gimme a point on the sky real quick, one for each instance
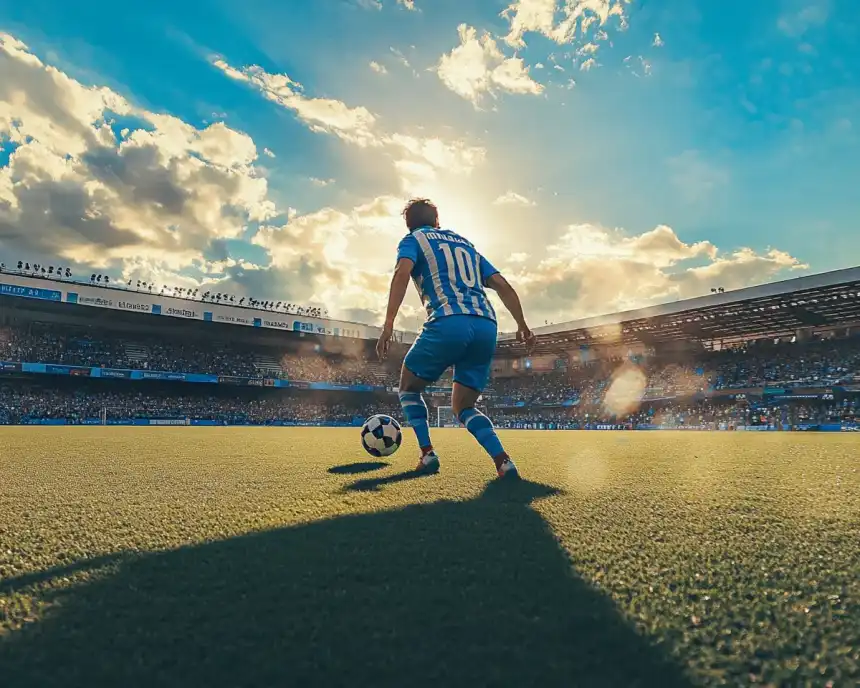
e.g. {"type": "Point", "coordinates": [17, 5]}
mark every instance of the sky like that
{"type": "Point", "coordinates": [603, 154]}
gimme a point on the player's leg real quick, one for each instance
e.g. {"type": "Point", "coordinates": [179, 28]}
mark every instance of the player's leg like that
{"type": "Point", "coordinates": [425, 362]}
{"type": "Point", "coordinates": [415, 408]}
{"type": "Point", "coordinates": [471, 374]}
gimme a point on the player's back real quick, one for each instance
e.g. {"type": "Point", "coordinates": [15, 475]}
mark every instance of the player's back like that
{"type": "Point", "coordinates": [450, 274]}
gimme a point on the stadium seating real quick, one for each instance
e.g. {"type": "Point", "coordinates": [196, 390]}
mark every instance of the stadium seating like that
{"type": "Point", "coordinates": [710, 390]}
{"type": "Point", "coordinates": [86, 346]}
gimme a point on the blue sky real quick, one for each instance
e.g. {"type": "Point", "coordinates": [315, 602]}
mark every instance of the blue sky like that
{"type": "Point", "coordinates": [605, 154]}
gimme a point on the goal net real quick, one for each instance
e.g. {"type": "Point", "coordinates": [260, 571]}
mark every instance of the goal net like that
{"type": "Point", "coordinates": [445, 417]}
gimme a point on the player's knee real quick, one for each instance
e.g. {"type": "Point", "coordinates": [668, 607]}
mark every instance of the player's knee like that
{"type": "Point", "coordinates": [409, 382]}
{"type": "Point", "coordinates": [409, 400]}
{"type": "Point", "coordinates": [473, 419]}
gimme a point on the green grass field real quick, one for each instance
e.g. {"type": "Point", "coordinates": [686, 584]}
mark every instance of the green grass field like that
{"type": "Point", "coordinates": [283, 557]}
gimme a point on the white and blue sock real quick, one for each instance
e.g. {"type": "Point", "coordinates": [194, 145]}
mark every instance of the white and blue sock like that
{"type": "Point", "coordinates": [415, 412]}
{"type": "Point", "coordinates": [482, 430]}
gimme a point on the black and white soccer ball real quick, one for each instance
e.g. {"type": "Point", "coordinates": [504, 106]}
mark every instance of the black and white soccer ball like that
{"type": "Point", "coordinates": [381, 435]}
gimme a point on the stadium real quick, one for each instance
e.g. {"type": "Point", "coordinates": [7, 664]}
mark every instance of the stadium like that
{"type": "Point", "coordinates": [272, 552]}
{"type": "Point", "coordinates": [782, 356]}
{"type": "Point", "coordinates": [274, 408]}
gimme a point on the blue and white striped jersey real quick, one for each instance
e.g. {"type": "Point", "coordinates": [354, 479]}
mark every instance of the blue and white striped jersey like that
{"type": "Point", "coordinates": [449, 273]}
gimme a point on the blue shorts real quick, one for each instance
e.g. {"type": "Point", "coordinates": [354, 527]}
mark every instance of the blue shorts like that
{"type": "Point", "coordinates": [467, 342]}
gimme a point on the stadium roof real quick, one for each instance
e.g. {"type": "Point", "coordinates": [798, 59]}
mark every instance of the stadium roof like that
{"type": "Point", "coordinates": [768, 310]}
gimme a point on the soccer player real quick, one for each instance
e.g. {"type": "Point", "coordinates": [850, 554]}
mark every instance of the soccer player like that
{"type": "Point", "coordinates": [451, 278]}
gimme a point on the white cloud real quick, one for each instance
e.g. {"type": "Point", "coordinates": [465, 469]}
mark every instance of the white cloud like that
{"type": "Point", "coordinates": [353, 124]}
{"type": "Point", "coordinates": [454, 157]}
{"type": "Point", "coordinates": [378, 68]}
{"type": "Point", "coordinates": [377, 4]}
{"type": "Point", "coordinates": [806, 15]}
{"type": "Point", "coordinates": [477, 67]}
{"type": "Point", "coordinates": [591, 270]}
{"type": "Point", "coordinates": [575, 18]}
{"type": "Point", "coordinates": [101, 181]}
{"type": "Point", "coordinates": [321, 182]}
{"type": "Point", "coordinates": [588, 64]}
{"type": "Point", "coordinates": [400, 57]}
{"type": "Point", "coordinates": [530, 16]}
{"type": "Point", "coordinates": [417, 158]}
{"type": "Point", "coordinates": [642, 69]}
{"type": "Point", "coordinates": [513, 198]}
{"type": "Point", "coordinates": [658, 41]}
{"type": "Point", "coordinates": [82, 188]}
{"type": "Point", "coordinates": [157, 200]}
{"type": "Point", "coordinates": [339, 254]}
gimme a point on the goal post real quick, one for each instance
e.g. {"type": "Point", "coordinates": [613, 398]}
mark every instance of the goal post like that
{"type": "Point", "coordinates": [445, 417]}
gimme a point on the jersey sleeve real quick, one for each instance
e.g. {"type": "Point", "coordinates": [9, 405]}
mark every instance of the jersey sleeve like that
{"type": "Point", "coordinates": [408, 248]}
{"type": "Point", "coordinates": [487, 270]}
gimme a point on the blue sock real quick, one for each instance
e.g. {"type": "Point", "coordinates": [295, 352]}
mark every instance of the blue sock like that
{"type": "Point", "coordinates": [415, 412]}
{"type": "Point", "coordinates": [482, 429]}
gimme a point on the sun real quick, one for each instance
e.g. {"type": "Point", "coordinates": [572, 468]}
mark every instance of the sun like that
{"type": "Point", "coordinates": [457, 211]}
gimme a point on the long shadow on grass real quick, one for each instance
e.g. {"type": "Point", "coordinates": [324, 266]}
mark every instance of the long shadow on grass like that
{"type": "Point", "coordinates": [361, 467]}
{"type": "Point", "coordinates": [473, 593]}
{"type": "Point", "coordinates": [375, 484]}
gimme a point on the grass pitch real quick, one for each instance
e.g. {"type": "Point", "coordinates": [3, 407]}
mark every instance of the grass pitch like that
{"type": "Point", "coordinates": [283, 557]}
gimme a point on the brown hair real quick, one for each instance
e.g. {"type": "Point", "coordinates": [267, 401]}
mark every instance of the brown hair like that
{"type": "Point", "coordinates": [420, 212]}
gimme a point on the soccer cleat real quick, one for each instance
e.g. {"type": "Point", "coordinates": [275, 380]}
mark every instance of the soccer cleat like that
{"type": "Point", "coordinates": [428, 463]}
{"type": "Point", "coordinates": [507, 469]}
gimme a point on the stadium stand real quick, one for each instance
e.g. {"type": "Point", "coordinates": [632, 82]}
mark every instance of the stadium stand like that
{"type": "Point", "coordinates": [784, 355]}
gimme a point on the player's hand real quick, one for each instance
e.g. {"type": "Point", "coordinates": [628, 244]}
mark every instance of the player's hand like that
{"type": "Point", "coordinates": [384, 342]}
{"type": "Point", "coordinates": [527, 337]}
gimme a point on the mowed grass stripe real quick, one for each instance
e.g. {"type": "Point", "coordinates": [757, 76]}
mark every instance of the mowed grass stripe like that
{"type": "Point", "coordinates": [249, 557]}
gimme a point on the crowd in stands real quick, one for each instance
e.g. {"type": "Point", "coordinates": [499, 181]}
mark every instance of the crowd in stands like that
{"type": "Point", "coordinates": [188, 358]}
{"type": "Point", "coordinates": [788, 365]}
{"type": "Point", "coordinates": [356, 369]}
{"type": "Point", "coordinates": [819, 363]}
{"type": "Point", "coordinates": [44, 343]}
{"type": "Point", "coordinates": [666, 392]}
{"type": "Point", "coordinates": [701, 414]}
{"type": "Point", "coordinates": [21, 404]}
{"type": "Point", "coordinates": [56, 345]}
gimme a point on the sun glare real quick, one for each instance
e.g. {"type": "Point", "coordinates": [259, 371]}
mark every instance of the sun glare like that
{"type": "Point", "coordinates": [458, 213]}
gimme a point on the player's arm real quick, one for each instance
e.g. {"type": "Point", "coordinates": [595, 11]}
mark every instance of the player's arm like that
{"type": "Point", "coordinates": [407, 256]}
{"type": "Point", "coordinates": [511, 301]}
{"type": "Point", "coordinates": [397, 292]}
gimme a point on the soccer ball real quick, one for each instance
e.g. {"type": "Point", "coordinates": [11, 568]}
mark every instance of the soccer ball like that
{"type": "Point", "coordinates": [381, 435]}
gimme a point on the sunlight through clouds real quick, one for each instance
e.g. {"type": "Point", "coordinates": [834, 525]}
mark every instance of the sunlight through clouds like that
{"type": "Point", "coordinates": [477, 67]}
{"type": "Point", "coordinates": [98, 195]}
{"type": "Point", "coordinates": [578, 17]}
{"type": "Point", "coordinates": [416, 159]}
{"type": "Point", "coordinates": [614, 195]}
{"type": "Point", "coordinates": [511, 198]}
{"type": "Point", "coordinates": [592, 270]}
